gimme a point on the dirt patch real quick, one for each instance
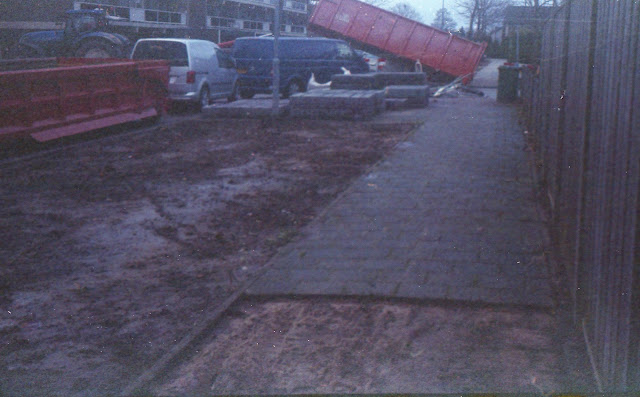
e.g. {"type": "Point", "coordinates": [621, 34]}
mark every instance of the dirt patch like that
{"type": "Point", "coordinates": [112, 252]}
{"type": "Point", "coordinates": [333, 346]}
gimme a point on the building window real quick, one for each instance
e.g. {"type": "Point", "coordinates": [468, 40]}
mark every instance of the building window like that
{"type": "Point", "coordinates": [110, 7]}
{"type": "Point", "coordinates": [297, 29]}
{"type": "Point", "coordinates": [222, 22]}
{"type": "Point", "coordinates": [253, 25]}
{"type": "Point", "coordinates": [296, 5]}
{"type": "Point", "coordinates": [163, 11]}
{"type": "Point", "coordinates": [166, 5]}
{"type": "Point", "coordinates": [162, 16]}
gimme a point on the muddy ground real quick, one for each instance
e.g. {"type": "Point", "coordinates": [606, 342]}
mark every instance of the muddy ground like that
{"type": "Point", "coordinates": [328, 346]}
{"type": "Point", "coordinates": [112, 251]}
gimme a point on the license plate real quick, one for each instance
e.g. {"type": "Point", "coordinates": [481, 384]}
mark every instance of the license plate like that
{"type": "Point", "coordinates": [242, 71]}
{"type": "Point", "coordinates": [172, 79]}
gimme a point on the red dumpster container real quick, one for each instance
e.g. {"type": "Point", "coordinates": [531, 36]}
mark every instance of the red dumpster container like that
{"type": "Point", "coordinates": [55, 97]}
{"type": "Point", "coordinates": [398, 35]}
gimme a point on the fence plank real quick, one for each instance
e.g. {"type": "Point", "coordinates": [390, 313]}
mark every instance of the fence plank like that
{"type": "Point", "coordinates": [584, 112]}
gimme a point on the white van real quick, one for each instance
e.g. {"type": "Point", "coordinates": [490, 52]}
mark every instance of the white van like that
{"type": "Point", "coordinates": [199, 70]}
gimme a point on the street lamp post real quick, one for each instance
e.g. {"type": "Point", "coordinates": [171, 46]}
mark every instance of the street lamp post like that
{"type": "Point", "coordinates": [276, 62]}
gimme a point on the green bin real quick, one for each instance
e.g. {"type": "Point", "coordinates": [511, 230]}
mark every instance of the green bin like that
{"type": "Point", "coordinates": [508, 77]}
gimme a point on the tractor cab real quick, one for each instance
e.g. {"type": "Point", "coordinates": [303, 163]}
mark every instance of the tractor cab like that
{"type": "Point", "coordinates": [78, 22]}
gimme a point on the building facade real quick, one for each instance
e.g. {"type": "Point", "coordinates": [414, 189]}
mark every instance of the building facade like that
{"type": "Point", "coordinates": [216, 20]}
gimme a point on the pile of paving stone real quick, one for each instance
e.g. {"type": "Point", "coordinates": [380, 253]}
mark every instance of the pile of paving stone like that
{"type": "Point", "coordinates": [361, 96]}
{"type": "Point", "coordinates": [351, 97]}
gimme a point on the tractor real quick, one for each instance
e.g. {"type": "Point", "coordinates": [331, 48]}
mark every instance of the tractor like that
{"type": "Point", "coordinates": [85, 35]}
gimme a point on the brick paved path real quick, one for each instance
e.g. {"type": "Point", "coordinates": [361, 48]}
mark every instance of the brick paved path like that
{"type": "Point", "coordinates": [450, 214]}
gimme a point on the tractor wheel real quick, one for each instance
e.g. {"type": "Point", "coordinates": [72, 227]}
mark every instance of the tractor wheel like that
{"type": "Point", "coordinates": [96, 49]}
{"type": "Point", "coordinates": [246, 93]}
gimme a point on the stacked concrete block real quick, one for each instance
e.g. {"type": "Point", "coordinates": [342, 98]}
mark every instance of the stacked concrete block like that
{"type": "Point", "coordinates": [376, 81]}
{"type": "Point", "coordinates": [384, 79]}
{"type": "Point", "coordinates": [396, 103]}
{"type": "Point", "coordinates": [352, 81]}
{"type": "Point", "coordinates": [337, 104]}
{"type": "Point", "coordinates": [415, 95]}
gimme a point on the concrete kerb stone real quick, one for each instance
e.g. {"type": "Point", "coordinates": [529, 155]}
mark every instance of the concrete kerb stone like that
{"type": "Point", "coordinates": [396, 103]}
{"type": "Point", "coordinates": [416, 95]}
{"type": "Point", "coordinates": [246, 109]}
{"type": "Point", "coordinates": [341, 104]}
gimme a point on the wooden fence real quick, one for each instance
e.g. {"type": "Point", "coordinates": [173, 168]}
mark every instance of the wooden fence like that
{"type": "Point", "coordinates": [583, 110]}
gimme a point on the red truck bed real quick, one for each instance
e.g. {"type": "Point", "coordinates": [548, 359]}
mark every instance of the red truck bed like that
{"type": "Point", "coordinates": [55, 97]}
{"type": "Point", "coordinates": [398, 35]}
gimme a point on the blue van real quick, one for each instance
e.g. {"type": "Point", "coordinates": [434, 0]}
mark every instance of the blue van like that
{"type": "Point", "coordinates": [299, 58]}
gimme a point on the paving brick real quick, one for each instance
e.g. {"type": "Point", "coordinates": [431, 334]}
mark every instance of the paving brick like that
{"type": "Point", "coordinates": [246, 109]}
{"type": "Point", "coordinates": [448, 215]}
{"type": "Point", "coordinates": [423, 291]}
{"type": "Point", "coordinates": [337, 104]}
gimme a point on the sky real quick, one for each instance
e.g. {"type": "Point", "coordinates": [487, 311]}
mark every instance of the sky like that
{"type": "Point", "coordinates": [428, 8]}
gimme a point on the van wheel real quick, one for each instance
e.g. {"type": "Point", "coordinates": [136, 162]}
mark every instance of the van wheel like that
{"type": "Point", "coordinates": [293, 87]}
{"type": "Point", "coordinates": [323, 78]}
{"type": "Point", "coordinates": [246, 93]}
{"type": "Point", "coordinates": [234, 94]}
{"type": "Point", "coordinates": [203, 99]}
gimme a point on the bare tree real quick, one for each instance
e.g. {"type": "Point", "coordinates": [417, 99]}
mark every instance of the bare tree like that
{"type": "Point", "coordinates": [539, 12]}
{"type": "Point", "coordinates": [540, 3]}
{"type": "Point", "coordinates": [444, 20]}
{"type": "Point", "coordinates": [406, 11]}
{"type": "Point", "coordinates": [482, 14]}
{"type": "Point", "coordinates": [379, 3]}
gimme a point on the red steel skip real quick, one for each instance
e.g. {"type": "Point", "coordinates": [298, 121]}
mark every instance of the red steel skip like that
{"type": "Point", "coordinates": [398, 35]}
{"type": "Point", "coordinates": [55, 97]}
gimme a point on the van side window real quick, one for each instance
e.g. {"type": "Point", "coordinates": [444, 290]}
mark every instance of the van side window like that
{"type": "Point", "coordinates": [256, 49]}
{"type": "Point", "coordinates": [344, 51]}
{"type": "Point", "coordinates": [202, 49]}
{"type": "Point", "coordinates": [326, 50]}
{"type": "Point", "coordinates": [174, 52]}
{"type": "Point", "coordinates": [307, 49]}
{"type": "Point", "coordinates": [224, 60]}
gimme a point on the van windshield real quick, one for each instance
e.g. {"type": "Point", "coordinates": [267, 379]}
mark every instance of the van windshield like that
{"type": "Point", "coordinates": [259, 49]}
{"type": "Point", "coordinates": [174, 52]}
